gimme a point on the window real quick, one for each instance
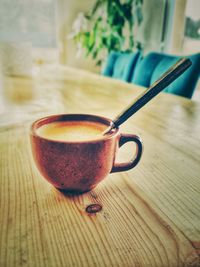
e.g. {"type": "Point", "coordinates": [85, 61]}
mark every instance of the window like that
{"type": "Point", "coordinates": [30, 21]}
{"type": "Point", "coordinates": [191, 42]}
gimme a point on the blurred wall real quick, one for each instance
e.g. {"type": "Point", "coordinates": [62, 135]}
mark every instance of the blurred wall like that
{"type": "Point", "coordinates": [150, 32]}
{"type": "Point", "coordinates": [67, 12]}
{"type": "Point", "coordinates": [178, 27]}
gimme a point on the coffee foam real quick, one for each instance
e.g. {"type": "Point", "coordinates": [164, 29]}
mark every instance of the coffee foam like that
{"type": "Point", "coordinates": [72, 131]}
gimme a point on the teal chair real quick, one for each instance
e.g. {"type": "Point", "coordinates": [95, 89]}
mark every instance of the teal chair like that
{"type": "Point", "coordinates": [153, 65]}
{"type": "Point", "coordinates": [121, 65]}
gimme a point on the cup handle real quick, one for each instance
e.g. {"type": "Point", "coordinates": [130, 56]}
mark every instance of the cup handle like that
{"type": "Point", "coordinates": [124, 138]}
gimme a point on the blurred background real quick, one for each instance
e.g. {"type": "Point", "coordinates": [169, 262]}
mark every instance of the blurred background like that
{"type": "Point", "coordinates": [50, 31]}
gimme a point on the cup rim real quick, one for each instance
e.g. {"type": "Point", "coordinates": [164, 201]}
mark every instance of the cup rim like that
{"type": "Point", "coordinates": [71, 116]}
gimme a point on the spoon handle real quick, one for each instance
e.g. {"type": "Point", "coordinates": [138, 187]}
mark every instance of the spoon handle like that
{"type": "Point", "coordinates": [168, 77]}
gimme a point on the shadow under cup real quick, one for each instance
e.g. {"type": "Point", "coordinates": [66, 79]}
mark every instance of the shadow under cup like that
{"type": "Point", "coordinates": [78, 166]}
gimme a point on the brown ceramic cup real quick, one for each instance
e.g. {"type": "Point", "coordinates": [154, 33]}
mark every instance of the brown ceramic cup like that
{"type": "Point", "coordinates": [80, 166]}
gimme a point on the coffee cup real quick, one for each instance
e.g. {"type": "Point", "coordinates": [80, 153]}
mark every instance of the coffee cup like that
{"type": "Point", "coordinates": [72, 153]}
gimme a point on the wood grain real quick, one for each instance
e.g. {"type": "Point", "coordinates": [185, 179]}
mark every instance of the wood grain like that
{"type": "Point", "coordinates": [149, 216]}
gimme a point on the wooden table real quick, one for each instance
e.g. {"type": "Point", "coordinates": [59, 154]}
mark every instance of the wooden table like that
{"type": "Point", "coordinates": [150, 215]}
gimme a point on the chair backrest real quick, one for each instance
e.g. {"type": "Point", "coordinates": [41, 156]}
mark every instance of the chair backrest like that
{"type": "Point", "coordinates": [155, 64]}
{"type": "Point", "coordinates": [121, 65]}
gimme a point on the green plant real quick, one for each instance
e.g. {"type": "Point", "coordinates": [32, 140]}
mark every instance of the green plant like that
{"type": "Point", "coordinates": [109, 26]}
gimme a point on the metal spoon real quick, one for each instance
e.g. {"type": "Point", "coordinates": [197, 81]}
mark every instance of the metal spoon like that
{"type": "Point", "coordinates": [167, 78]}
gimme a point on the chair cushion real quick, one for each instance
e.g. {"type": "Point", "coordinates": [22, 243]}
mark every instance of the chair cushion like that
{"type": "Point", "coordinates": [155, 64]}
{"type": "Point", "coordinates": [186, 83]}
{"type": "Point", "coordinates": [144, 69]}
{"type": "Point", "coordinates": [121, 65]}
{"type": "Point", "coordinates": [109, 64]}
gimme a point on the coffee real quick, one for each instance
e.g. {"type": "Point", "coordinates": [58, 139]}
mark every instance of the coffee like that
{"type": "Point", "coordinates": [72, 131]}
